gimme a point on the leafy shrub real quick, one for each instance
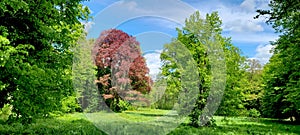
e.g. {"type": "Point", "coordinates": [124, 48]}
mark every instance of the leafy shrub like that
{"type": "Point", "coordinates": [70, 105]}
{"type": "Point", "coordinates": [254, 113]}
{"type": "Point", "coordinates": [124, 105]}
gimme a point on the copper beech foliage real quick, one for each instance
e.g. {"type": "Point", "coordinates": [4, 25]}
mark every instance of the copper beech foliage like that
{"type": "Point", "coordinates": [119, 53]}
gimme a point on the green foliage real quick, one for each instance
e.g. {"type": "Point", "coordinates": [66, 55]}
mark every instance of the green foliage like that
{"type": "Point", "coordinates": [70, 105]}
{"type": "Point", "coordinates": [36, 56]}
{"type": "Point", "coordinates": [200, 37]}
{"type": "Point", "coordinates": [5, 112]}
{"type": "Point", "coordinates": [83, 75]}
{"type": "Point", "coordinates": [167, 98]}
{"type": "Point", "coordinates": [253, 88]}
{"type": "Point", "coordinates": [281, 74]}
{"type": "Point", "coordinates": [254, 113]}
{"type": "Point", "coordinates": [124, 105]}
{"type": "Point", "coordinates": [244, 87]}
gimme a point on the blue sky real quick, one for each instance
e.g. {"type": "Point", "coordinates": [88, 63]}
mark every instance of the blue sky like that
{"type": "Point", "coordinates": [153, 23]}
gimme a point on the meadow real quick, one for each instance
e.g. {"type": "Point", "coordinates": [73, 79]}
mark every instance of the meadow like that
{"type": "Point", "coordinates": [153, 121]}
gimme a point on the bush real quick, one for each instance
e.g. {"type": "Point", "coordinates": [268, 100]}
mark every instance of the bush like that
{"type": "Point", "coordinates": [124, 105]}
{"type": "Point", "coordinates": [254, 113]}
{"type": "Point", "coordinates": [70, 105]}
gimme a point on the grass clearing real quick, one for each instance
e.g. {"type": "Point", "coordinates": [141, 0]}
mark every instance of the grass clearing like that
{"type": "Point", "coordinates": [243, 126]}
{"type": "Point", "coordinates": [148, 121]}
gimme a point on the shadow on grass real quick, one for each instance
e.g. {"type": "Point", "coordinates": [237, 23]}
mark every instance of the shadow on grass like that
{"type": "Point", "coordinates": [285, 122]}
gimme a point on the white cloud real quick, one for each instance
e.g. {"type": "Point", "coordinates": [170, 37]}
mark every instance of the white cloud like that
{"type": "Point", "coordinates": [243, 26]}
{"type": "Point", "coordinates": [153, 62]}
{"type": "Point", "coordinates": [263, 53]}
{"type": "Point", "coordinates": [237, 18]}
{"type": "Point", "coordinates": [238, 21]}
{"type": "Point", "coordinates": [130, 5]}
{"type": "Point", "coordinates": [248, 5]}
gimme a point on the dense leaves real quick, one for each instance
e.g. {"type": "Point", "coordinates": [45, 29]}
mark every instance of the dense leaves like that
{"type": "Point", "coordinates": [202, 38]}
{"type": "Point", "coordinates": [83, 75]}
{"type": "Point", "coordinates": [35, 54]}
{"type": "Point", "coordinates": [281, 74]}
{"type": "Point", "coordinates": [121, 70]}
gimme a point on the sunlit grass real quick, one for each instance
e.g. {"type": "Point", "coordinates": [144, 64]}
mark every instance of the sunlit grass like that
{"type": "Point", "coordinates": [148, 121]}
{"type": "Point", "coordinates": [243, 126]}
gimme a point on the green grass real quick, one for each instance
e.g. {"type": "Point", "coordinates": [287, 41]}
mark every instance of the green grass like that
{"type": "Point", "coordinates": [243, 126]}
{"type": "Point", "coordinates": [72, 124]}
{"type": "Point", "coordinates": [147, 121]}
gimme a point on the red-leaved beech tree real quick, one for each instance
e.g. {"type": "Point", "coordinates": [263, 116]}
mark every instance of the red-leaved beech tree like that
{"type": "Point", "coordinates": [121, 70]}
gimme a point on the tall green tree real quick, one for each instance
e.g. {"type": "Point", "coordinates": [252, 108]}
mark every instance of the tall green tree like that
{"type": "Point", "coordinates": [281, 75]}
{"type": "Point", "coordinates": [36, 57]}
{"type": "Point", "coordinates": [204, 43]}
{"type": "Point", "coordinates": [83, 76]}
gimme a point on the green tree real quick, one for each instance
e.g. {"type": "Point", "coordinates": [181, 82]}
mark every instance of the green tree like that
{"type": "Point", "coordinates": [83, 76]}
{"type": "Point", "coordinates": [167, 98]}
{"type": "Point", "coordinates": [36, 57]}
{"type": "Point", "coordinates": [281, 75]}
{"type": "Point", "coordinates": [232, 102]}
{"type": "Point", "coordinates": [253, 91]}
{"type": "Point", "coordinates": [204, 43]}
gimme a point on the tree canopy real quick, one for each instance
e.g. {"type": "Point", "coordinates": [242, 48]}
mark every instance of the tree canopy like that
{"type": "Point", "coordinates": [36, 57]}
{"type": "Point", "coordinates": [203, 40]}
{"type": "Point", "coordinates": [121, 69]}
{"type": "Point", "coordinates": [281, 74]}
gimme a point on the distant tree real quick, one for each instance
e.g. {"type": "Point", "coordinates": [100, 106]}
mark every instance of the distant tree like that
{"type": "Point", "coordinates": [84, 76]}
{"type": "Point", "coordinates": [232, 100]}
{"type": "Point", "coordinates": [168, 97]}
{"type": "Point", "coordinates": [254, 67]}
{"type": "Point", "coordinates": [121, 70]}
{"type": "Point", "coordinates": [281, 75]}
{"type": "Point", "coordinates": [252, 87]}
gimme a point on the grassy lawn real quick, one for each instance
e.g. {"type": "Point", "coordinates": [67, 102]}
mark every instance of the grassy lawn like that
{"type": "Point", "coordinates": [147, 121]}
{"type": "Point", "coordinates": [243, 126]}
